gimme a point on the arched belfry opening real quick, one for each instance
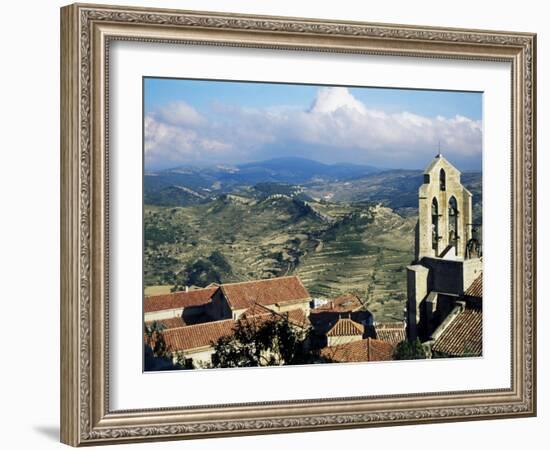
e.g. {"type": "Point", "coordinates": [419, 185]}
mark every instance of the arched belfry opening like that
{"type": "Point", "coordinates": [444, 213]}
{"type": "Point", "coordinates": [442, 180]}
{"type": "Point", "coordinates": [435, 225]}
{"type": "Point", "coordinates": [453, 223]}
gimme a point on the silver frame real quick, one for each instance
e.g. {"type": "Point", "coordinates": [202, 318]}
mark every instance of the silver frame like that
{"type": "Point", "coordinates": [86, 32]}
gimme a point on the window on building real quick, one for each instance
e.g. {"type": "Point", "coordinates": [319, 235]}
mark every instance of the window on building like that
{"type": "Point", "coordinates": [453, 223]}
{"type": "Point", "coordinates": [435, 224]}
{"type": "Point", "coordinates": [442, 180]}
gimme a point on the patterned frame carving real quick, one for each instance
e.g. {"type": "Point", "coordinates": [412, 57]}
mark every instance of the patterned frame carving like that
{"type": "Point", "coordinates": [86, 418]}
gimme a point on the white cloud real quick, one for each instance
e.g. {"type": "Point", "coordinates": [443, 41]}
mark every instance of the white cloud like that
{"type": "Point", "coordinates": [180, 114]}
{"type": "Point", "coordinates": [337, 127]}
{"type": "Point", "coordinates": [331, 99]}
{"type": "Point", "coordinates": [174, 136]}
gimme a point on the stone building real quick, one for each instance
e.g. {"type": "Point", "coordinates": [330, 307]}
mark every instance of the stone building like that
{"type": "Point", "coordinates": [187, 306]}
{"type": "Point", "coordinates": [227, 301]}
{"type": "Point", "coordinates": [192, 321]}
{"type": "Point", "coordinates": [280, 295]}
{"type": "Point", "coordinates": [447, 259]}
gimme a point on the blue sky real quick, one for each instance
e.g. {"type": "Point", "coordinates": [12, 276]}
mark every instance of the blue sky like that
{"type": "Point", "coordinates": [197, 122]}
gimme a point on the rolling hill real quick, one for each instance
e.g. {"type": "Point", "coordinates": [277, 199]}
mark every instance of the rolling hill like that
{"type": "Point", "coordinates": [397, 189]}
{"type": "Point", "coordinates": [215, 180]}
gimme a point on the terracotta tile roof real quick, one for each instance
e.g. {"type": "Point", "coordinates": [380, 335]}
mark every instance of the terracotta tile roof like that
{"type": "Point", "coordinates": [197, 336]}
{"type": "Point", "coordinates": [463, 336]}
{"type": "Point", "coordinates": [257, 310]}
{"type": "Point", "coordinates": [174, 322]}
{"type": "Point", "coordinates": [392, 332]}
{"type": "Point", "coordinates": [296, 316]}
{"type": "Point", "coordinates": [476, 288]}
{"type": "Point", "coordinates": [346, 327]}
{"type": "Point", "coordinates": [342, 304]}
{"type": "Point", "coordinates": [265, 292]}
{"type": "Point", "coordinates": [358, 351]}
{"type": "Point", "coordinates": [178, 299]}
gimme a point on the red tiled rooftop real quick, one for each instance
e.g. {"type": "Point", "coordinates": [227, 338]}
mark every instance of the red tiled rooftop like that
{"type": "Point", "coordinates": [177, 300]}
{"type": "Point", "coordinates": [341, 304]}
{"type": "Point", "coordinates": [205, 334]}
{"type": "Point", "coordinates": [358, 351]}
{"type": "Point", "coordinates": [476, 288]}
{"type": "Point", "coordinates": [174, 322]}
{"type": "Point", "coordinates": [346, 327]}
{"type": "Point", "coordinates": [197, 336]}
{"type": "Point", "coordinates": [463, 336]}
{"type": "Point", "coordinates": [296, 316]}
{"type": "Point", "coordinates": [392, 332]}
{"type": "Point", "coordinates": [265, 292]}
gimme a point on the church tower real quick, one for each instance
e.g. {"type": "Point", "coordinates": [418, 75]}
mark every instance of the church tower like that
{"type": "Point", "coordinates": [447, 259]}
{"type": "Point", "coordinates": [444, 213]}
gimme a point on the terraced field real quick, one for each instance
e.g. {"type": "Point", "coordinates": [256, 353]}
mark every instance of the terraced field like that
{"type": "Point", "coordinates": [369, 262]}
{"type": "Point", "coordinates": [259, 239]}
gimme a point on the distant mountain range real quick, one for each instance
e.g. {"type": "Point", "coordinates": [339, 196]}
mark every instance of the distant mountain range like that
{"type": "Point", "coordinates": [302, 170]}
{"type": "Point", "coordinates": [308, 179]}
{"type": "Point", "coordinates": [220, 179]}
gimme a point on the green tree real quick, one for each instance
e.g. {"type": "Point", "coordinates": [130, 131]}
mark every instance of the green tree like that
{"type": "Point", "coordinates": [409, 350]}
{"type": "Point", "coordinates": [155, 339]}
{"type": "Point", "coordinates": [157, 354]}
{"type": "Point", "coordinates": [263, 342]}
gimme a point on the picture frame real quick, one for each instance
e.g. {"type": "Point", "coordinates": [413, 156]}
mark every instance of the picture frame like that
{"type": "Point", "coordinates": [87, 32]}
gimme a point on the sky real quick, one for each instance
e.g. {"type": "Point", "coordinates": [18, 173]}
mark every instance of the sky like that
{"type": "Point", "coordinates": [204, 122]}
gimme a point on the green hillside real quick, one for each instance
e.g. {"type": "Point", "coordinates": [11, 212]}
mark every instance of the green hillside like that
{"type": "Point", "coordinates": [334, 247]}
{"type": "Point", "coordinates": [397, 189]}
{"type": "Point", "coordinates": [368, 260]}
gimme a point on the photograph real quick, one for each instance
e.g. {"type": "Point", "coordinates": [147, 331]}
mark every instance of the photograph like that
{"type": "Point", "coordinates": [293, 224]}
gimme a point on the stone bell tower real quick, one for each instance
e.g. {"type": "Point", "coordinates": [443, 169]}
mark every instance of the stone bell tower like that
{"type": "Point", "coordinates": [444, 213]}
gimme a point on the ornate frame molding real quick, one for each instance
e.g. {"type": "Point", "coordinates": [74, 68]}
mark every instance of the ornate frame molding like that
{"type": "Point", "coordinates": [86, 31]}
